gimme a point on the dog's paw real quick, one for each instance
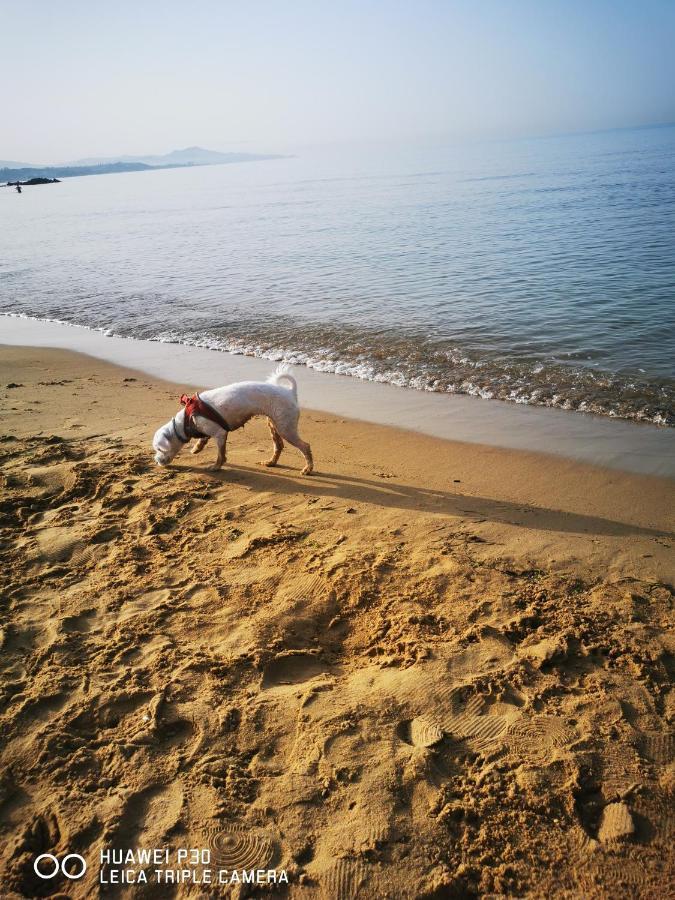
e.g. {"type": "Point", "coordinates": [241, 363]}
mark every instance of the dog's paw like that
{"type": "Point", "coordinates": [307, 471]}
{"type": "Point", "coordinates": [269, 463]}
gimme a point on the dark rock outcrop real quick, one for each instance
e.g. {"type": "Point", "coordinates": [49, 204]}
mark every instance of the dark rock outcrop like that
{"type": "Point", "coordinates": [34, 181]}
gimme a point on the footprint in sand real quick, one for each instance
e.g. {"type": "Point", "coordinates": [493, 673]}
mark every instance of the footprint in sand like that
{"type": "Point", "coordinates": [470, 720]}
{"type": "Point", "coordinates": [161, 725]}
{"type": "Point", "coordinates": [344, 880]}
{"type": "Point", "coordinates": [291, 668]}
{"type": "Point", "coordinates": [654, 812]}
{"type": "Point", "coordinates": [84, 554]}
{"type": "Point", "coordinates": [262, 536]}
{"type": "Point", "coordinates": [580, 845]}
{"type": "Point", "coordinates": [124, 653]}
{"type": "Point", "coordinates": [239, 847]}
{"type": "Point", "coordinates": [345, 750]}
{"type": "Point", "coordinates": [658, 747]}
{"type": "Point", "coordinates": [306, 587]}
{"type": "Point", "coordinates": [79, 624]}
{"type": "Point", "coordinates": [43, 709]}
{"type": "Point", "coordinates": [616, 824]}
{"type": "Point", "coordinates": [614, 876]}
{"type": "Point", "coordinates": [105, 535]}
{"type": "Point", "coordinates": [61, 544]}
{"type": "Point", "coordinates": [420, 732]}
{"type": "Point", "coordinates": [537, 737]}
{"type": "Point", "coordinates": [56, 544]}
{"type": "Point", "coordinates": [43, 835]}
{"type": "Point", "coordinates": [109, 714]}
{"type": "Point", "coordinates": [201, 729]}
{"type": "Point", "coordinates": [148, 816]}
{"type": "Point", "coordinates": [621, 769]}
{"type": "Point", "coordinates": [53, 479]}
{"type": "Point", "coordinates": [145, 603]}
{"type": "Point", "coordinates": [14, 803]}
{"type": "Point", "coordinates": [492, 652]}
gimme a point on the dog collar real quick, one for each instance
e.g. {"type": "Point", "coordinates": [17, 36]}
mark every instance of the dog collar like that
{"type": "Point", "coordinates": [183, 440]}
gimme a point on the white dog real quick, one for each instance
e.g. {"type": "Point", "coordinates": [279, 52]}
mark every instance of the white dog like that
{"type": "Point", "coordinates": [213, 414]}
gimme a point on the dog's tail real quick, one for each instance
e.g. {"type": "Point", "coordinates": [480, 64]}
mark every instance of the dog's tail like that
{"type": "Point", "coordinates": [283, 374]}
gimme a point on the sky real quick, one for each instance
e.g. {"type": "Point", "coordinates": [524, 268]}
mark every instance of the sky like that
{"type": "Point", "coordinates": [97, 79]}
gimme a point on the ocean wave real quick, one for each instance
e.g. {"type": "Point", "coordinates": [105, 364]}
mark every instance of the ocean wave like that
{"type": "Point", "coordinates": [107, 331]}
{"type": "Point", "coordinates": [562, 387]}
{"type": "Point", "coordinates": [404, 364]}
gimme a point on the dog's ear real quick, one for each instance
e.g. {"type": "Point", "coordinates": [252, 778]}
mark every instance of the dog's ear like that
{"type": "Point", "coordinates": [184, 399]}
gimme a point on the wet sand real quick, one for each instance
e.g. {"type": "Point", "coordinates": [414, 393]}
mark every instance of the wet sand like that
{"type": "Point", "coordinates": [432, 669]}
{"type": "Point", "coordinates": [599, 440]}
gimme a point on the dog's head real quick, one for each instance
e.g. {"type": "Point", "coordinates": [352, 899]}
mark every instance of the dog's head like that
{"type": "Point", "coordinates": [166, 444]}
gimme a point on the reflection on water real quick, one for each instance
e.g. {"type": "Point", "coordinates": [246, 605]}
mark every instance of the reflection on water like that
{"type": "Point", "coordinates": [531, 271]}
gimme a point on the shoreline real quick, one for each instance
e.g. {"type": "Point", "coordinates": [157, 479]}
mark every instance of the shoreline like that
{"type": "Point", "coordinates": [411, 470]}
{"type": "Point", "coordinates": [617, 444]}
{"type": "Point", "coordinates": [442, 653]}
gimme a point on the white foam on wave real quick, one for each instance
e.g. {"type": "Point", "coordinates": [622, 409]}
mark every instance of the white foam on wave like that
{"type": "Point", "coordinates": [103, 329]}
{"type": "Point", "coordinates": [328, 360]}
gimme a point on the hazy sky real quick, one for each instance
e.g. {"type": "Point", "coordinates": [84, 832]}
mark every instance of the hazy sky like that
{"type": "Point", "coordinates": [98, 78]}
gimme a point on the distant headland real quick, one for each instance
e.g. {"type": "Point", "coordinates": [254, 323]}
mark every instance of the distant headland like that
{"type": "Point", "coordinates": [190, 156]}
{"type": "Point", "coordinates": [32, 181]}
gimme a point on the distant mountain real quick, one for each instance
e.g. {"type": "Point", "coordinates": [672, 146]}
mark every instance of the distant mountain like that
{"type": "Point", "coordinates": [28, 172]}
{"type": "Point", "coordinates": [12, 164]}
{"type": "Point", "coordinates": [190, 156]}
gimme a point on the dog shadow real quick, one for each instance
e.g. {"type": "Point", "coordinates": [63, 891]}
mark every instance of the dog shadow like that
{"type": "Point", "coordinates": [389, 494]}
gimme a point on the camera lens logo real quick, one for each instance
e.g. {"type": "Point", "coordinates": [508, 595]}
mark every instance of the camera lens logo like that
{"type": "Point", "coordinates": [47, 866]}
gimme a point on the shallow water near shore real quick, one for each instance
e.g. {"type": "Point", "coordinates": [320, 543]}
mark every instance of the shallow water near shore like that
{"type": "Point", "coordinates": [627, 446]}
{"type": "Point", "coordinates": [539, 272]}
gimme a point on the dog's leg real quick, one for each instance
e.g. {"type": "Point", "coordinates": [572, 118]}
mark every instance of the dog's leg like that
{"type": "Point", "coordinates": [292, 436]}
{"type": "Point", "coordinates": [221, 443]}
{"type": "Point", "coordinates": [278, 445]}
{"type": "Point", "coordinates": [199, 446]}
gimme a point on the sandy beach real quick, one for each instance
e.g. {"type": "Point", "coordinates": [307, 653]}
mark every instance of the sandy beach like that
{"type": "Point", "coordinates": [433, 669]}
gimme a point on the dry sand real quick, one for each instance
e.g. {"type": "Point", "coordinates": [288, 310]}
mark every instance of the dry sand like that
{"type": "Point", "coordinates": [431, 670]}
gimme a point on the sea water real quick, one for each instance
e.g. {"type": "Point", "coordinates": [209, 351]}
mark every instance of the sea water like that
{"type": "Point", "coordinates": [536, 271]}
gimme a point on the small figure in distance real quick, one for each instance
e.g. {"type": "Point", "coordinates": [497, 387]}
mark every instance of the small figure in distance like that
{"type": "Point", "coordinates": [18, 188]}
